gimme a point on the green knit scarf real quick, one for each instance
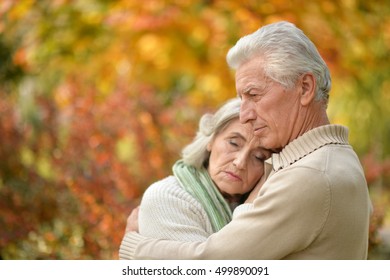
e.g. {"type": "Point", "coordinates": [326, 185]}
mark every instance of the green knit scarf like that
{"type": "Point", "coordinates": [198, 183]}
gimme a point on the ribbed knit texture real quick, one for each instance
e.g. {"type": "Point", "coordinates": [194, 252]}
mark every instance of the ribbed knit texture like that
{"type": "Point", "coordinates": [198, 183]}
{"type": "Point", "coordinates": [127, 246]}
{"type": "Point", "coordinates": [168, 211]}
{"type": "Point", "coordinates": [308, 143]}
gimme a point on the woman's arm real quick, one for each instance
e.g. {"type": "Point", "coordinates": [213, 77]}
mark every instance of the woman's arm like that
{"type": "Point", "coordinates": [169, 212]}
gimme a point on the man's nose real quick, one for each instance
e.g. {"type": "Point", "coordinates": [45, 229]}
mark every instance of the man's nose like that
{"type": "Point", "coordinates": [247, 112]}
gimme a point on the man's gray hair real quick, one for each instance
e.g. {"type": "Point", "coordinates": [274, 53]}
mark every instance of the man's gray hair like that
{"type": "Point", "coordinates": [210, 125]}
{"type": "Point", "coordinates": [287, 52]}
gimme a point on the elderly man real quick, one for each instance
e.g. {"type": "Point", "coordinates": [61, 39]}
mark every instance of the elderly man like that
{"type": "Point", "coordinates": [314, 203]}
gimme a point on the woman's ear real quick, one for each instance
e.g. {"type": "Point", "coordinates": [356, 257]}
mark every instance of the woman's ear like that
{"type": "Point", "coordinates": [308, 83]}
{"type": "Point", "coordinates": [209, 146]}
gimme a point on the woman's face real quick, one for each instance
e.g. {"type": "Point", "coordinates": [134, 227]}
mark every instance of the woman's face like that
{"type": "Point", "coordinates": [236, 161]}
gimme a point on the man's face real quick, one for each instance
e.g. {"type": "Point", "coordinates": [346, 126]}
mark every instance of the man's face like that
{"type": "Point", "coordinates": [272, 110]}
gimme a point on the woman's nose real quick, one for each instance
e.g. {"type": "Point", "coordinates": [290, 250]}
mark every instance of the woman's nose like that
{"type": "Point", "coordinates": [239, 161]}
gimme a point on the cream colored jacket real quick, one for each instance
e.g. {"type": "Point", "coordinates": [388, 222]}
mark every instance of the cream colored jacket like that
{"type": "Point", "coordinates": [314, 205]}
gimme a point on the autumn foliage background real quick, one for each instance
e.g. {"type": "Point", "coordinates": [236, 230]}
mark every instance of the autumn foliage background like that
{"type": "Point", "coordinates": [97, 98]}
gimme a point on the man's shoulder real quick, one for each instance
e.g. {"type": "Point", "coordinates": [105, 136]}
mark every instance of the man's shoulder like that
{"type": "Point", "coordinates": [327, 167]}
{"type": "Point", "coordinates": [331, 160]}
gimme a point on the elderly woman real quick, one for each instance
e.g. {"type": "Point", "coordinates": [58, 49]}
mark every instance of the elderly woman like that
{"type": "Point", "coordinates": [217, 171]}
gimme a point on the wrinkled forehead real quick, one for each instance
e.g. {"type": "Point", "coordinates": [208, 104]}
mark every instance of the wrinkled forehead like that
{"type": "Point", "coordinates": [251, 74]}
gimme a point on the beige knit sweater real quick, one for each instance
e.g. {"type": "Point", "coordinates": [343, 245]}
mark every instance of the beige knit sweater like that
{"type": "Point", "coordinates": [314, 205]}
{"type": "Point", "coordinates": [169, 212]}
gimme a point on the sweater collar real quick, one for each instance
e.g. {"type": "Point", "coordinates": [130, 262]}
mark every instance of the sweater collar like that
{"type": "Point", "coordinates": [308, 143]}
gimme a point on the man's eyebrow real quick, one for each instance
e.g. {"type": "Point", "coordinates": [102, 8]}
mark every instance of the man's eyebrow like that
{"type": "Point", "coordinates": [244, 92]}
{"type": "Point", "coordinates": [256, 86]}
{"type": "Point", "coordinates": [248, 88]}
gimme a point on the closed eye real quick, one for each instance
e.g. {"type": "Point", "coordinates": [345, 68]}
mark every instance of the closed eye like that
{"type": "Point", "coordinates": [233, 143]}
{"type": "Point", "coordinates": [260, 156]}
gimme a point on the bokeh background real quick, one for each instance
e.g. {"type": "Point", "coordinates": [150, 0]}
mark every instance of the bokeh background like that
{"type": "Point", "coordinates": [97, 98]}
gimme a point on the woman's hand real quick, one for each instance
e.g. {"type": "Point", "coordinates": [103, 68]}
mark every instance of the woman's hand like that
{"type": "Point", "coordinates": [132, 221]}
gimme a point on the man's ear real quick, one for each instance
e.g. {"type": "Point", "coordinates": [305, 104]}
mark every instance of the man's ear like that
{"type": "Point", "coordinates": [308, 84]}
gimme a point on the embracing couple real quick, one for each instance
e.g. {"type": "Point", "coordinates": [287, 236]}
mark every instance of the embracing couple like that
{"type": "Point", "coordinates": [267, 176]}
